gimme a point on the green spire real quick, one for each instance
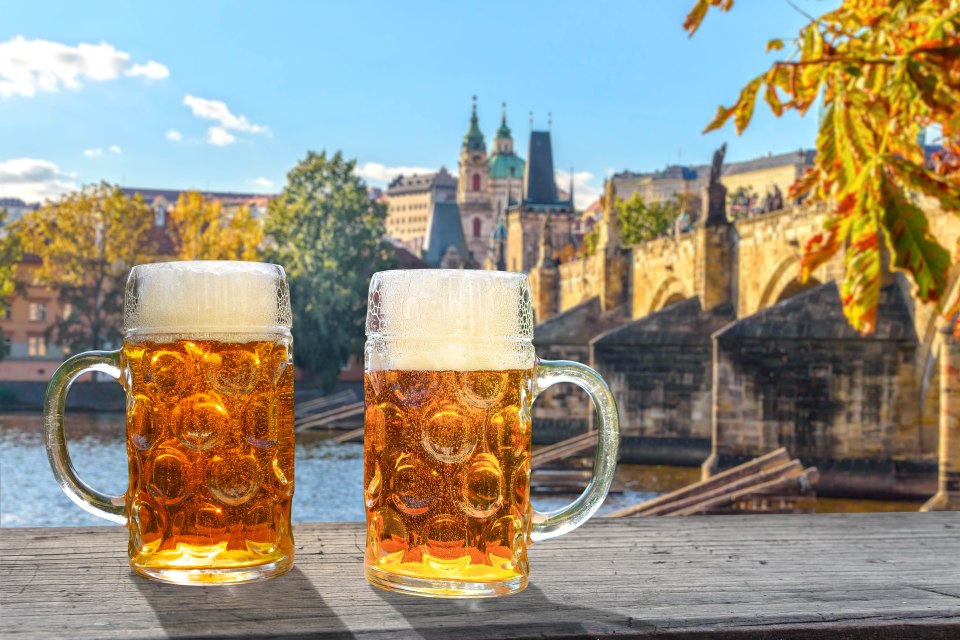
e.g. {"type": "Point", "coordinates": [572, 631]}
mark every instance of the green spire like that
{"type": "Point", "coordinates": [474, 141]}
{"type": "Point", "coordinates": [504, 130]}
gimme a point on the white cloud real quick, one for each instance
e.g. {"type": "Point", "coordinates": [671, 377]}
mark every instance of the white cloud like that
{"type": "Point", "coordinates": [174, 135]}
{"type": "Point", "coordinates": [380, 173]}
{"type": "Point", "coordinates": [218, 111]}
{"type": "Point", "coordinates": [28, 67]}
{"type": "Point", "coordinates": [585, 189]}
{"type": "Point", "coordinates": [220, 137]}
{"type": "Point", "coordinates": [262, 182]}
{"type": "Point", "coordinates": [115, 149]}
{"type": "Point", "coordinates": [153, 70]}
{"type": "Point", "coordinates": [96, 152]}
{"type": "Point", "coordinates": [34, 180]}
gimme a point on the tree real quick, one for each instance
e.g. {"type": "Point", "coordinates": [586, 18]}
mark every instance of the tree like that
{"type": "Point", "coordinates": [328, 235]}
{"type": "Point", "coordinates": [641, 221]}
{"type": "Point", "coordinates": [10, 253]}
{"type": "Point", "coordinates": [886, 71]}
{"type": "Point", "coordinates": [202, 231]}
{"type": "Point", "coordinates": [87, 242]}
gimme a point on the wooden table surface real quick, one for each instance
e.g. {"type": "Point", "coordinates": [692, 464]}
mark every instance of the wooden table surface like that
{"type": "Point", "coordinates": [883, 576]}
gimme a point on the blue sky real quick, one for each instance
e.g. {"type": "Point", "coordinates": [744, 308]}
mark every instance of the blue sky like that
{"type": "Point", "coordinates": [229, 95]}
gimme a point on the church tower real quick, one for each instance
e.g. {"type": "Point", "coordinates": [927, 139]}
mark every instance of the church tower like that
{"type": "Point", "coordinates": [506, 168]}
{"type": "Point", "coordinates": [473, 190]}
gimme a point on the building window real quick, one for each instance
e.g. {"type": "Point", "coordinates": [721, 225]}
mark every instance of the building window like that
{"type": "Point", "coordinates": [7, 313]}
{"type": "Point", "coordinates": [476, 227]}
{"type": "Point", "coordinates": [160, 217]}
{"type": "Point", "coordinates": [38, 311]}
{"type": "Point", "coordinates": [36, 346]}
{"type": "Point", "coordinates": [476, 182]}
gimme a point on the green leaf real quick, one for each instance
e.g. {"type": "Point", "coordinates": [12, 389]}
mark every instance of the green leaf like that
{"type": "Point", "coordinates": [926, 182]}
{"type": "Point", "coordinates": [860, 290]}
{"type": "Point", "coordinates": [914, 250]}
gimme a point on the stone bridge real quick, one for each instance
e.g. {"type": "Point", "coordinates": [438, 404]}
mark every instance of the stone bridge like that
{"type": "Point", "coordinates": [718, 353]}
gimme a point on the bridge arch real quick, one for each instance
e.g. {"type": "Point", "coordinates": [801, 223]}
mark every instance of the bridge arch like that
{"type": "Point", "coordinates": [669, 292]}
{"type": "Point", "coordinates": [784, 283]}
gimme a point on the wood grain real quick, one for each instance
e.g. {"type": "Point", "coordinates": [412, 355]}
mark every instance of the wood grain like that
{"type": "Point", "coordinates": [887, 576]}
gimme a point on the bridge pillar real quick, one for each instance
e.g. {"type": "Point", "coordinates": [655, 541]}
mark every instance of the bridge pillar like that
{"type": "Point", "coordinates": [947, 497]}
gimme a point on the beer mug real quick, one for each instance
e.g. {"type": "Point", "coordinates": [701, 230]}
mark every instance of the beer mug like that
{"type": "Point", "coordinates": [450, 376]}
{"type": "Point", "coordinates": [206, 365]}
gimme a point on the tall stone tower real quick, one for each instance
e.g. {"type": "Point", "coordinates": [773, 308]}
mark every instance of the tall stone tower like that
{"type": "Point", "coordinates": [473, 190]}
{"type": "Point", "coordinates": [506, 168]}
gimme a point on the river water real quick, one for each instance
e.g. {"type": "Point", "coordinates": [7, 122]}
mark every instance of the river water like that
{"type": "Point", "coordinates": [329, 476]}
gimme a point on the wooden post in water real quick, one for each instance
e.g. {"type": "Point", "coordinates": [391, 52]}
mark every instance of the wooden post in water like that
{"type": "Point", "coordinates": [947, 497]}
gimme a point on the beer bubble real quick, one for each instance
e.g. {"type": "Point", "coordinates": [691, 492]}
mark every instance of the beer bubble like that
{"type": "Point", "coordinates": [260, 421]}
{"type": "Point", "coordinates": [373, 384]}
{"type": "Point", "coordinates": [482, 389]}
{"type": "Point", "coordinates": [502, 432]}
{"type": "Point", "coordinates": [450, 432]}
{"type": "Point", "coordinates": [233, 478]}
{"type": "Point", "coordinates": [505, 540]}
{"type": "Point", "coordinates": [136, 472]}
{"type": "Point", "coordinates": [146, 524]}
{"type": "Point", "coordinates": [232, 372]}
{"type": "Point", "coordinates": [412, 388]}
{"type": "Point", "coordinates": [281, 361]}
{"type": "Point", "coordinates": [198, 419]}
{"type": "Point", "coordinates": [145, 426]}
{"type": "Point", "coordinates": [371, 493]}
{"type": "Point", "coordinates": [445, 536]}
{"type": "Point", "coordinates": [168, 370]}
{"type": "Point", "coordinates": [209, 520]}
{"type": "Point", "coordinates": [282, 466]}
{"type": "Point", "coordinates": [169, 476]}
{"type": "Point", "coordinates": [378, 419]}
{"type": "Point", "coordinates": [393, 533]}
{"type": "Point", "coordinates": [521, 481]}
{"type": "Point", "coordinates": [413, 485]}
{"type": "Point", "coordinates": [481, 486]}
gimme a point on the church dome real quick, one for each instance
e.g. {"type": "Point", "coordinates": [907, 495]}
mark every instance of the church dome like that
{"type": "Point", "coordinates": [501, 163]}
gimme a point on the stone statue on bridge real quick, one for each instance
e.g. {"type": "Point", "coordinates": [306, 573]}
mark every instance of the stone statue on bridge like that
{"type": "Point", "coordinates": [716, 201]}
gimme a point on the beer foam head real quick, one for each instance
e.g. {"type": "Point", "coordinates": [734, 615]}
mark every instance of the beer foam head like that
{"type": "Point", "coordinates": [210, 297]}
{"type": "Point", "coordinates": [449, 320]}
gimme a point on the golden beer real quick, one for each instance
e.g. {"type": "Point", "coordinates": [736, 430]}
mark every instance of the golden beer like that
{"type": "Point", "coordinates": [207, 367]}
{"type": "Point", "coordinates": [447, 481]}
{"type": "Point", "coordinates": [450, 377]}
{"type": "Point", "coordinates": [210, 449]}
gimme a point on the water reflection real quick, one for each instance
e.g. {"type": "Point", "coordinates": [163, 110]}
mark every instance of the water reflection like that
{"type": "Point", "coordinates": [329, 476]}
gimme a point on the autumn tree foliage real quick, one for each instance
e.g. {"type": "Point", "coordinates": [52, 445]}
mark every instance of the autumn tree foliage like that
{"type": "Point", "coordinates": [328, 235]}
{"type": "Point", "coordinates": [87, 242]}
{"type": "Point", "coordinates": [10, 253]}
{"type": "Point", "coordinates": [886, 71]}
{"type": "Point", "coordinates": [202, 230]}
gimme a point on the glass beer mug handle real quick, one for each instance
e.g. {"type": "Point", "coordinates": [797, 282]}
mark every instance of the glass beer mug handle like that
{"type": "Point", "coordinates": [54, 403]}
{"type": "Point", "coordinates": [551, 524]}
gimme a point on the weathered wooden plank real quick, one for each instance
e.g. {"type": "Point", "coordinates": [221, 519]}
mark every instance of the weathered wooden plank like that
{"type": "Point", "coordinates": [746, 470]}
{"type": "Point", "coordinates": [563, 449]}
{"type": "Point", "coordinates": [349, 436]}
{"type": "Point", "coordinates": [889, 576]}
{"type": "Point", "coordinates": [325, 418]}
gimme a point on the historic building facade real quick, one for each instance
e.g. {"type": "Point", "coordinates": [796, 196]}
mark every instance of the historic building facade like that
{"type": "Point", "coordinates": [540, 211]}
{"type": "Point", "coordinates": [486, 183]}
{"type": "Point", "coordinates": [410, 200]}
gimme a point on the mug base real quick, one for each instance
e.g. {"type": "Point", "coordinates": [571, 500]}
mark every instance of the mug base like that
{"type": "Point", "coordinates": [213, 577]}
{"type": "Point", "coordinates": [443, 588]}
